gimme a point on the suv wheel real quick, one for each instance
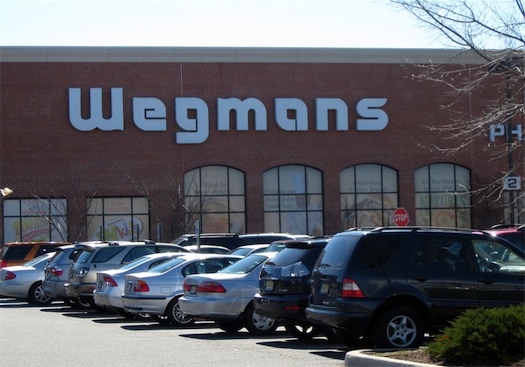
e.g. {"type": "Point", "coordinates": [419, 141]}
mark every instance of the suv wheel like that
{"type": "Point", "coordinates": [229, 326]}
{"type": "Point", "coordinates": [258, 324]}
{"type": "Point", "coordinates": [37, 295]}
{"type": "Point", "coordinates": [399, 327]}
{"type": "Point", "coordinates": [176, 316]}
{"type": "Point", "coordinates": [303, 330]}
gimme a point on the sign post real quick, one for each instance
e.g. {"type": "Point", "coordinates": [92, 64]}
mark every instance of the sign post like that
{"type": "Point", "coordinates": [400, 217]}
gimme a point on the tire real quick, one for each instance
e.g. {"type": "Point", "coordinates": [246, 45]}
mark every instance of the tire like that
{"type": "Point", "coordinates": [81, 304]}
{"type": "Point", "coordinates": [341, 336]}
{"type": "Point", "coordinates": [399, 327]}
{"type": "Point", "coordinates": [302, 330]}
{"type": "Point", "coordinates": [37, 296]}
{"type": "Point", "coordinates": [161, 319]}
{"type": "Point", "coordinates": [69, 302]}
{"type": "Point", "coordinates": [258, 324]}
{"type": "Point", "coordinates": [229, 326]}
{"type": "Point", "coordinates": [127, 315]}
{"type": "Point", "coordinates": [175, 315]}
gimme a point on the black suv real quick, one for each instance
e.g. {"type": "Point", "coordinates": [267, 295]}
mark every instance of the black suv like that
{"type": "Point", "coordinates": [285, 286]}
{"type": "Point", "coordinates": [389, 286]}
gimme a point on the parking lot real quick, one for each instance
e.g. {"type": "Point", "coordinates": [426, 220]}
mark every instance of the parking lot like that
{"type": "Point", "coordinates": [59, 335]}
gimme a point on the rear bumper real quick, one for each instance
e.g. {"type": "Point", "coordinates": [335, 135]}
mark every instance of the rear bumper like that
{"type": "Point", "coordinates": [214, 309]}
{"type": "Point", "coordinates": [54, 289]}
{"type": "Point", "coordinates": [151, 305]}
{"type": "Point", "coordinates": [356, 321]}
{"type": "Point", "coordinates": [108, 299]}
{"type": "Point", "coordinates": [76, 289]}
{"type": "Point", "coordinates": [285, 307]}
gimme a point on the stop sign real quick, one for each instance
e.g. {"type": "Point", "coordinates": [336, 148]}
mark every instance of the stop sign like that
{"type": "Point", "coordinates": [400, 217]}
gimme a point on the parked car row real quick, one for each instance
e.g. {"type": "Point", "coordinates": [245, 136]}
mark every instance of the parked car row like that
{"type": "Point", "coordinates": [385, 286]}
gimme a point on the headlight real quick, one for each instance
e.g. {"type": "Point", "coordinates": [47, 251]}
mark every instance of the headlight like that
{"type": "Point", "coordinates": [295, 270]}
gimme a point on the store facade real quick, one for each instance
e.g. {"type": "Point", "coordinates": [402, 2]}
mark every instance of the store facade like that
{"type": "Point", "coordinates": [134, 143]}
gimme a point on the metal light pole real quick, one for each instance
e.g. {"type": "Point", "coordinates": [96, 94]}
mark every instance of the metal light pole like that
{"type": "Point", "coordinates": [508, 140]}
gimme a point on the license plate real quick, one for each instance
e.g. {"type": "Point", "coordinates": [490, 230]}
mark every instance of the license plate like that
{"type": "Point", "coordinates": [268, 286]}
{"type": "Point", "coordinates": [324, 288]}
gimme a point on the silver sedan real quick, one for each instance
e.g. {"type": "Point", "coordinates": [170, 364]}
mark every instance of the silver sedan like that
{"type": "Point", "coordinates": [157, 291]}
{"type": "Point", "coordinates": [25, 281]}
{"type": "Point", "coordinates": [227, 296]}
{"type": "Point", "coordinates": [110, 283]}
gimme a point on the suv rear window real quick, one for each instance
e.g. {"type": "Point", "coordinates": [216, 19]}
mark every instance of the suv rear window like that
{"type": "Point", "coordinates": [338, 251]}
{"type": "Point", "coordinates": [293, 255]}
{"type": "Point", "coordinates": [15, 252]}
{"type": "Point", "coordinates": [106, 253]}
{"type": "Point", "coordinates": [43, 249]}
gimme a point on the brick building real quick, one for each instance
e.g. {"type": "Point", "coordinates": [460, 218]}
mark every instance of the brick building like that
{"type": "Point", "coordinates": [127, 143]}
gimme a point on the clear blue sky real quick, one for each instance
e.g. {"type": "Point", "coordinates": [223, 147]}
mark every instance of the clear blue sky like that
{"type": "Point", "coordinates": [248, 23]}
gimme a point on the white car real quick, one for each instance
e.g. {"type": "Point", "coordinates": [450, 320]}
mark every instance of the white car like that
{"type": "Point", "coordinates": [110, 283]}
{"type": "Point", "coordinates": [156, 292]}
{"type": "Point", "coordinates": [249, 249]}
{"type": "Point", "coordinates": [25, 281]}
{"type": "Point", "coordinates": [226, 297]}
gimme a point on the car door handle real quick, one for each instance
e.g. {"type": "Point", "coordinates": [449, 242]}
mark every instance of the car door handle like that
{"type": "Point", "coordinates": [487, 281]}
{"type": "Point", "coordinates": [461, 288]}
{"type": "Point", "coordinates": [421, 278]}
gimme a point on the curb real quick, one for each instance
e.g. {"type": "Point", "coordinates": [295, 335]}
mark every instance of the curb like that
{"type": "Point", "coordinates": [362, 359]}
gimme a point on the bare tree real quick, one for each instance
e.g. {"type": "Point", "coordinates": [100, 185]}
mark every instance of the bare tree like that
{"type": "Point", "coordinates": [494, 30]}
{"type": "Point", "coordinates": [54, 209]}
{"type": "Point", "coordinates": [175, 211]}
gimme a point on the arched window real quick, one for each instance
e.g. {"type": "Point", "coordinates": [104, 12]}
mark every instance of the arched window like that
{"type": "Point", "coordinates": [369, 194]}
{"type": "Point", "coordinates": [293, 200]}
{"type": "Point", "coordinates": [215, 196]}
{"type": "Point", "coordinates": [442, 196]}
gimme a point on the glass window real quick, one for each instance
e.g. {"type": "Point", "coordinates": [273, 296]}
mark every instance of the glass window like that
{"type": "Point", "coordinates": [494, 257]}
{"type": "Point", "coordinates": [137, 252]}
{"type": "Point", "coordinates": [215, 196]}
{"type": "Point", "coordinates": [369, 194]}
{"type": "Point", "coordinates": [118, 219]}
{"type": "Point", "coordinates": [442, 196]}
{"type": "Point", "coordinates": [35, 220]}
{"type": "Point", "coordinates": [293, 200]}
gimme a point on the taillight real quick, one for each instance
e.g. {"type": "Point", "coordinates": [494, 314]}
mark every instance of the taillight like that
{"type": "Point", "coordinates": [186, 286]}
{"type": "Point", "coordinates": [81, 272]}
{"type": "Point", "coordinates": [3, 263]}
{"type": "Point", "coordinates": [141, 286]}
{"type": "Point", "coordinates": [351, 289]}
{"type": "Point", "coordinates": [9, 275]}
{"type": "Point", "coordinates": [210, 287]}
{"type": "Point", "coordinates": [56, 271]}
{"type": "Point", "coordinates": [292, 308]}
{"type": "Point", "coordinates": [110, 282]}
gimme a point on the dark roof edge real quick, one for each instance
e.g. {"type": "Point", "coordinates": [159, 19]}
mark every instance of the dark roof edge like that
{"type": "Point", "coordinates": [237, 54]}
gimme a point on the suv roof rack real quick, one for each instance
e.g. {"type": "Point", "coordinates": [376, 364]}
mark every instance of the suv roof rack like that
{"type": "Point", "coordinates": [503, 226]}
{"type": "Point", "coordinates": [428, 228]}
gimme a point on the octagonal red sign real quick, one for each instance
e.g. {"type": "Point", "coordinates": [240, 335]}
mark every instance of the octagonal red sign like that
{"type": "Point", "coordinates": [400, 217]}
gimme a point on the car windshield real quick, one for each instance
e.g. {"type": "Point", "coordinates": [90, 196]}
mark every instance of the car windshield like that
{"type": "Point", "coordinates": [240, 251]}
{"type": "Point", "coordinates": [136, 262]}
{"type": "Point", "coordinates": [244, 266]}
{"type": "Point", "coordinates": [276, 246]}
{"type": "Point", "coordinates": [168, 265]}
{"type": "Point", "coordinates": [37, 260]}
{"type": "Point", "coordinates": [517, 238]}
